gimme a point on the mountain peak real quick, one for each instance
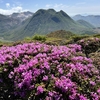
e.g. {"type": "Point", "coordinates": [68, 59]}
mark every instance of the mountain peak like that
{"type": "Point", "coordinates": [52, 10]}
{"type": "Point", "coordinates": [42, 11]}
{"type": "Point", "coordinates": [64, 14]}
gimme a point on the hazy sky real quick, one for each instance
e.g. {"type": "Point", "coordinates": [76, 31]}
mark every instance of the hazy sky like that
{"type": "Point", "coordinates": [71, 7]}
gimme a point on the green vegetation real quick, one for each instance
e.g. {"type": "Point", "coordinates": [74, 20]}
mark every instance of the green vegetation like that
{"type": "Point", "coordinates": [97, 35]}
{"type": "Point", "coordinates": [39, 38]}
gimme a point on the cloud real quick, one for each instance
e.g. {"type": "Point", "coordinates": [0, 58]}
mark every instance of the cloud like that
{"type": "Point", "coordinates": [16, 9]}
{"type": "Point", "coordinates": [7, 5]}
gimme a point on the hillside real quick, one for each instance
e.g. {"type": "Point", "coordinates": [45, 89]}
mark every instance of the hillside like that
{"type": "Point", "coordinates": [44, 22]}
{"type": "Point", "coordinates": [85, 23]}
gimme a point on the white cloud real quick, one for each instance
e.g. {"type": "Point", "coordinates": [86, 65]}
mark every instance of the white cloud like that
{"type": "Point", "coordinates": [7, 5]}
{"type": "Point", "coordinates": [17, 9]}
{"type": "Point", "coordinates": [12, 10]}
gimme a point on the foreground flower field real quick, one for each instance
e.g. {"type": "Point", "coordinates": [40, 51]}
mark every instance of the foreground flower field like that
{"type": "Point", "coordinates": [36, 71]}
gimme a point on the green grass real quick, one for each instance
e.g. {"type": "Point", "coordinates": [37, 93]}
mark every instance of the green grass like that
{"type": "Point", "coordinates": [96, 35]}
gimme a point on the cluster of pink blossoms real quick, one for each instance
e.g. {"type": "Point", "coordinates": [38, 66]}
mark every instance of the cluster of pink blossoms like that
{"type": "Point", "coordinates": [48, 72]}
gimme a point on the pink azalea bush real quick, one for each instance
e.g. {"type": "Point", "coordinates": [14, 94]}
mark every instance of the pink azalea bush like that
{"type": "Point", "coordinates": [89, 45]}
{"type": "Point", "coordinates": [36, 71]}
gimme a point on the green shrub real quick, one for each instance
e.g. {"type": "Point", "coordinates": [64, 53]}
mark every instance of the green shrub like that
{"type": "Point", "coordinates": [39, 38]}
{"type": "Point", "coordinates": [96, 35]}
{"type": "Point", "coordinates": [27, 38]}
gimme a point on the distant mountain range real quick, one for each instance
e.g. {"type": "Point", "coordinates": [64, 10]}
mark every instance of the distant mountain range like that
{"type": "Point", "coordinates": [27, 24]}
{"type": "Point", "coordinates": [12, 21]}
{"type": "Point", "coordinates": [7, 23]}
{"type": "Point", "coordinates": [92, 19]}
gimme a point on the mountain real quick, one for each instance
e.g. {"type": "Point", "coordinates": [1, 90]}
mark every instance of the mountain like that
{"type": "Point", "coordinates": [85, 23]}
{"type": "Point", "coordinates": [9, 22]}
{"type": "Point", "coordinates": [92, 19]}
{"type": "Point", "coordinates": [44, 22]}
{"type": "Point", "coordinates": [21, 16]}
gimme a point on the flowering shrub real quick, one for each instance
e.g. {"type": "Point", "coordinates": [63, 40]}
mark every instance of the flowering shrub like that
{"type": "Point", "coordinates": [90, 45]}
{"type": "Point", "coordinates": [36, 71]}
{"type": "Point", "coordinates": [96, 59]}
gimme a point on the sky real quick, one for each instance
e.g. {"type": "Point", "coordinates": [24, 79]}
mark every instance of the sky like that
{"type": "Point", "coordinates": [71, 7]}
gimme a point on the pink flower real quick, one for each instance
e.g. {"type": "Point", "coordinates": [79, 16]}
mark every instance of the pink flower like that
{"type": "Point", "coordinates": [60, 70]}
{"type": "Point", "coordinates": [45, 78]}
{"type": "Point", "coordinates": [98, 91]}
{"type": "Point", "coordinates": [92, 83]}
{"type": "Point", "coordinates": [40, 90]}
